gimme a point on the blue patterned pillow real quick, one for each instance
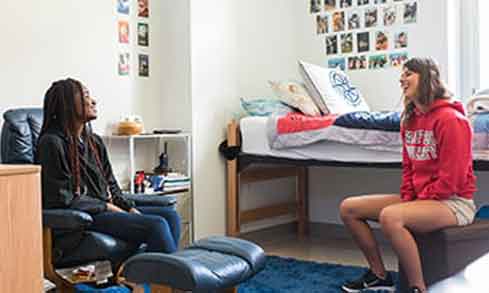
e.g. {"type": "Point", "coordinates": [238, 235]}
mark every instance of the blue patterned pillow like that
{"type": "Point", "coordinates": [332, 90]}
{"type": "Point", "coordinates": [265, 107]}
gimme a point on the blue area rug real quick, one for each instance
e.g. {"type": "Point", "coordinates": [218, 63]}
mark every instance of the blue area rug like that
{"type": "Point", "coordinates": [287, 275]}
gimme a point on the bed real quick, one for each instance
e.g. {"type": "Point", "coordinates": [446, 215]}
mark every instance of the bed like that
{"type": "Point", "coordinates": [253, 160]}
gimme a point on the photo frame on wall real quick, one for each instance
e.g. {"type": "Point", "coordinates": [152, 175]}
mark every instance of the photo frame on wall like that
{"type": "Point", "coordinates": [378, 61]}
{"type": "Point", "coordinates": [143, 65]}
{"type": "Point", "coordinates": [123, 28]}
{"type": "Point", "coordinates": [315, 6]}
{"type": "Point", "coordinates": [143, 8]}
{"type": "Point", "coordinates": [322, 22]}
{"type": "Point", "coordinates": [410, 12]}
{"type": "Point", "coordinates": [124, 64]}
{"type": "Point", "coordinates": [338, 63]}
{"type": "Point", "coordinates": [331, 45]}
{"type": "Point", "coordinates": [363, 42]}
{"type": "Point", "coordinates": [123, 6]}
{"type": "Point", "coordinates": [143, 34]}
{"type": "Point", "coordinates": [357, 62]}
{"type": "Point", "coordinates": [329, 5]}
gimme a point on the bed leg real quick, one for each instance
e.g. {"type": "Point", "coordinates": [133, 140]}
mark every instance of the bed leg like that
{"type": "Point", "coordinates": [233, 225]}
{"type": "Point", "coordinates": [301, 198]}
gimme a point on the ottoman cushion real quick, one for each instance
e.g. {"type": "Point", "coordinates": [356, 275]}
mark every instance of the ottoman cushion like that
{"type": "Point", "coordinates": [210, 264]}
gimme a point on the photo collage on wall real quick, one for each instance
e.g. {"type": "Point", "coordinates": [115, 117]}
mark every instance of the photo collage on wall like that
{"type": "Point", "coordinates": [124, 26]}
{"type": "Point", "coordinates": [364, 34]}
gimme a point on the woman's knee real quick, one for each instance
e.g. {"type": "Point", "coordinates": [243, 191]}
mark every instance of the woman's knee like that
{"type": "Point", "coordinates": [158, 224]}
{"type": "Point", "coordinates": [390, 219]}
{"type": "Point", "coordinates": [348, 208]}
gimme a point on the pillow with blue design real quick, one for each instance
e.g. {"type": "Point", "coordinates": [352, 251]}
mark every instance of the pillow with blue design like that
{"type": "Point", "coordinates": [332, 90]}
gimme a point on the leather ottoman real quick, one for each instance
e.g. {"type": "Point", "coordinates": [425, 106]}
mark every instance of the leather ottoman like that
{"type": "Point", "coordinates": [209, 265]}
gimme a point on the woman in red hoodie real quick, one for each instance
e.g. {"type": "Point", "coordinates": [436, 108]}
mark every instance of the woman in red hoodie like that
{"type": "Point", "coordinates": [437, 180]}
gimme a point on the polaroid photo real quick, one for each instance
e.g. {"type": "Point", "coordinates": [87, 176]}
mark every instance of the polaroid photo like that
{"type": "Point", "coordinates": [381, 40]}
{"type": "Point", "coordinates": [378, 61]}
{"type": "Point", "coordinates": [322, 23]}
{"type": "Point", "coordinates": [315, 6]}
{"type": "Point", "coordinates": [143, 34]}
{"type": "Point", "coordinates": [345, 3]}
{"type": "Point", "coordinates": [143, 65]}
{"type": "Point", "coordinates": [123, 28]}
{"type": "Point", "coordinates": [354, 21]}
{"type": "Point", "coordinates": [337, 63]}
{"type": "Point", "coordinates": [401, 39]}
{"type": "Point", "coordinates": [339, 21]}
{"type": "Point", "coordinates": [357, 62]}
{"type": "Point", "coordinates": [398, 59]}
{"type": "Point", "coordinates": [346, 43]}
{"type": "Point", "coordinates": [331, 45]}
{"type": "Point", "coordinates": [410, 12]}
{"type": "Point", "coordinates": [123, 64]}
{"type": "Point", "coordinates": [123, 6]}
{"type": "Point", "coordinates": [371, 17]}
{"type": "Point", "coordinates": [363, 42]}
{"type": "Point", "coordinates": [389, 15]}
{"type": "Point", "coordinates": [143, 8]}
{"type": "Point", "coordinates": [362, 2]}
{"type": "Point", "coordinates": [329, 5]}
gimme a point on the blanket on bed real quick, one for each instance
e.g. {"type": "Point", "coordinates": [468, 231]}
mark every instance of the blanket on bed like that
{"type": "Point", "coordinates": [372, 130]}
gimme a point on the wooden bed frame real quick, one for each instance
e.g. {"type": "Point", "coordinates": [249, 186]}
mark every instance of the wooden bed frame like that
{"type": "Point", "coordinates": [242, 173]}
{"type": "Point", "coordinates": [240, 170]}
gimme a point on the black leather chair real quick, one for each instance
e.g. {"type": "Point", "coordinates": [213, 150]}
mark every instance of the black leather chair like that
{"type": "Point", "coordinates": [67, 238]}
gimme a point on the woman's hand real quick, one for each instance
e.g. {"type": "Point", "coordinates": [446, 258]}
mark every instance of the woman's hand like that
{"type": "Point", "coordinates": [113, 208]}
{"type": "Point", "coordinates": [134, 211]}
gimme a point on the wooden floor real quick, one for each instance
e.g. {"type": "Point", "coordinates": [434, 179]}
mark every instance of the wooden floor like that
{"type": "Point", "coordinates": [319, 249]}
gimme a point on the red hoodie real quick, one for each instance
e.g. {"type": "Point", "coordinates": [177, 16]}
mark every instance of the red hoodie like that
{"type": "Point", "coordinates": [437, 154]}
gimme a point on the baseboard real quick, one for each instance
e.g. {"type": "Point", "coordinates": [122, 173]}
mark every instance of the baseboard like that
{"type": "Point", "coordinates": [316, 230]}
{"type": "Point", "coordinates": [339, 231]}
{"type": "Point", "coordinates": [270, 234]}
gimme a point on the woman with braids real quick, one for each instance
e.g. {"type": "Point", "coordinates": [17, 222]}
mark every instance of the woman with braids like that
{"type": "Point", "coordinates": [437, 186]}
{"type": "Point", "coordinates": [76, 173]}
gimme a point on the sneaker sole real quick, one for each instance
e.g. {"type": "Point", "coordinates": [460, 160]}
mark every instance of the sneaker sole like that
{"type": "Point", "coordinates": [383, 289]}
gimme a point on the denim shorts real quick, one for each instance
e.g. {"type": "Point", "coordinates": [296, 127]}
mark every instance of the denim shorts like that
{"type": "Point", "coordinates": [464, 209]}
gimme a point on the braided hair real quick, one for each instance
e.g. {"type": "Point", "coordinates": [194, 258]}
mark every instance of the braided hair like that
{"type": "Point", "coordinates": [59, 111]}
{"type": "Point", "coordinates": [430, 86]}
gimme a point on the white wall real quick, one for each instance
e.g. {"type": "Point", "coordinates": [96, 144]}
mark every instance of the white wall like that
{"type": "Point", "coordinates": [214, 80]}
{"type": "Point", "coordinates": [49, 40]}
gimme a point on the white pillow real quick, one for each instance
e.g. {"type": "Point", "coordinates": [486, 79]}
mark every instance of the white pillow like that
{"type": "Point", "coordinates": [294, 94]}
{"type": "Point", "coordinates": [331, 90]}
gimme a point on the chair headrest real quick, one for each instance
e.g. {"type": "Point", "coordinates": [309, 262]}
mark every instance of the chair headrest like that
{"type": "Point", "coordinates": [20, 133]}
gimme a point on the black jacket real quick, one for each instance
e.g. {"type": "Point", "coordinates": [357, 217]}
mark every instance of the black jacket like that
{"type": "Point", "coordinates": [58, 190]}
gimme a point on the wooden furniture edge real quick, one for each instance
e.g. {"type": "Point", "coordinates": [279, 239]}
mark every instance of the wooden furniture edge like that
{"type": "Point", "coordinates": [7, 170]}
{"type": "Point", "coordinates": [62, 285]}
{"type": "Point", "coordinates": [235, 217]}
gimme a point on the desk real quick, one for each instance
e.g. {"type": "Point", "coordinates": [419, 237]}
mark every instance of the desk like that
{"type": "Point", "coordinates": [21, 267]}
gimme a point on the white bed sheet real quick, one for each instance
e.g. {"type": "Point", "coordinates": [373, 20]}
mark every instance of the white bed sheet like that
{"type": "Point", "coordinates": [255, 142]}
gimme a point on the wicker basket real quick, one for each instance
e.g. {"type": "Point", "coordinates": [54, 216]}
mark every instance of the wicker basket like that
{"type": "Point", "coordinates": [129, 128]}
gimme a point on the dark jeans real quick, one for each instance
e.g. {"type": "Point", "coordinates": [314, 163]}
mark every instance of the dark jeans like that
{"type": "Point", "coordinates": [158, 227]}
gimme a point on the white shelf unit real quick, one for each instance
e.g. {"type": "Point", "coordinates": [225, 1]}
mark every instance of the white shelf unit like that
{"type": "Point", "coordinates": [184, 197]}
{"type": "Point", "coordinates": [158, 138]}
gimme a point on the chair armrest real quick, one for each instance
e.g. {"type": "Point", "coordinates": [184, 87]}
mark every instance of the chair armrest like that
{"type": "Point", "coordinates": [152, 200]}
{"type": "Point", "coordinates": [66, 219]}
